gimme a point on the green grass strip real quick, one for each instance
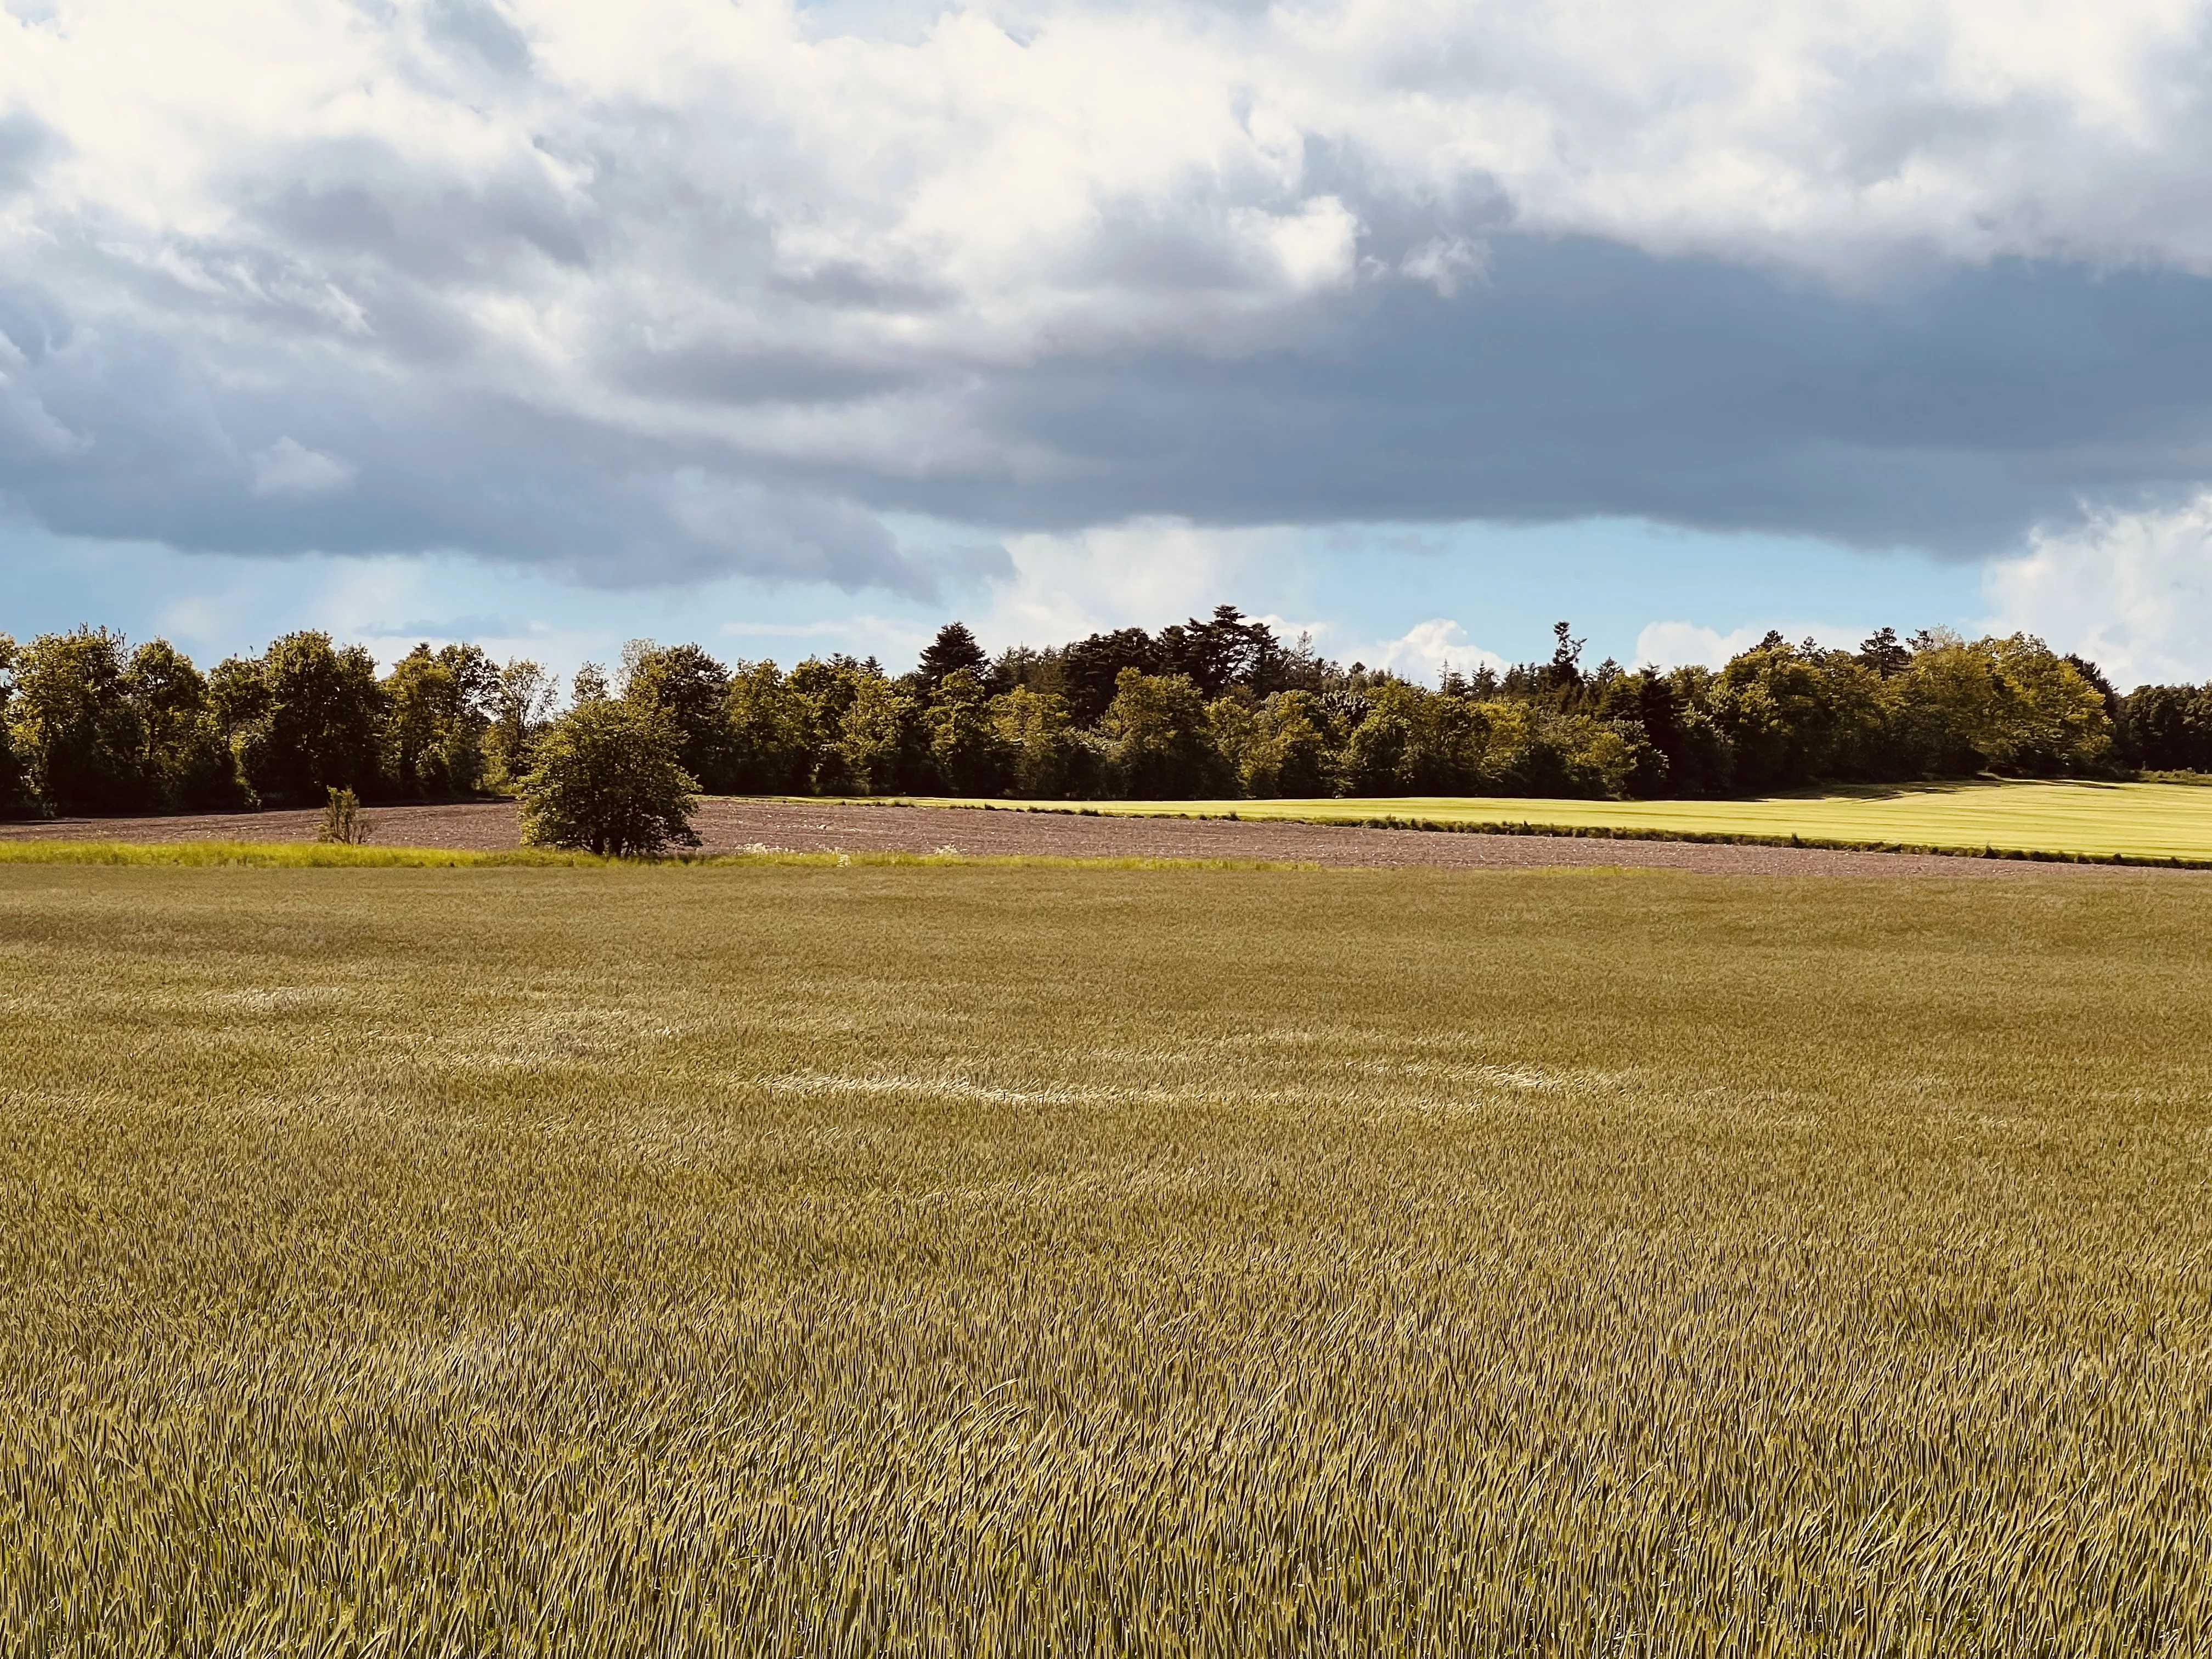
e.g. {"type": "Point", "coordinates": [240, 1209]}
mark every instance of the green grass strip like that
{"type": "Point", "coordinates": [271, 855]}
{"type": "Point", "coordinates": [320, 855]}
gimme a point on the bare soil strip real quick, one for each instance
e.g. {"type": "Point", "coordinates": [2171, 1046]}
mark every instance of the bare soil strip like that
{"type": "Point", "coordinates": [740, 825]}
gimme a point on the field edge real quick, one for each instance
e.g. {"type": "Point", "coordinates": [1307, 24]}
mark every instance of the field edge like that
{"type": "Point", "coordinates": [1528, 827]}
{"type": "Point", "coordinates": [313, 855]}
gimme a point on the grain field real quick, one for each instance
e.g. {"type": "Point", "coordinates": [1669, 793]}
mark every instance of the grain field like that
{"type": "Point", "coordinates": [956, 1260]}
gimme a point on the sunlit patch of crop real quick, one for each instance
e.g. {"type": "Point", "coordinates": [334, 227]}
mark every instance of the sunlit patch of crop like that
{"type": "Point", "coordinates": [2151, 822]}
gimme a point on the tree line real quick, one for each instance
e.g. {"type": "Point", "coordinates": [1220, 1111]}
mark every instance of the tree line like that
{"type": "Point", "coordinates": [1215, 706]}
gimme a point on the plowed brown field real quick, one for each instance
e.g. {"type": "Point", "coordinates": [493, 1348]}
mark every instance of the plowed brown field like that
{"type": "Point", "coordinates": [727, 825]}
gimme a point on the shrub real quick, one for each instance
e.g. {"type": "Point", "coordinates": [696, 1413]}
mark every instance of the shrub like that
{"type": "Point", "coordinates": [608, 780]}
{"type": "Point", "coordinates": [343, 822]}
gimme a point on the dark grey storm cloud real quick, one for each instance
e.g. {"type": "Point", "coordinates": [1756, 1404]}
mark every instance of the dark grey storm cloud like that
{"type": "Point", "coordinates": [1583, 378]}
{"type": "Point", "coordinates": [127, 436]}
{"type": "Point", "coordinates": [1578, 377]}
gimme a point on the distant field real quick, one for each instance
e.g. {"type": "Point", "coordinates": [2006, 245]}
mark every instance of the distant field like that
{"type": "Point", "coordinates": [995, 1259]}
{"type": "Point", "coordinates": [2093, 820]}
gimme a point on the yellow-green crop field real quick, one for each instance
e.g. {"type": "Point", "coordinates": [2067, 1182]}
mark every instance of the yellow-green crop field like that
{"type": "Point", "coordinates": [2138, 821]}
{"type": "Point", "coordinates": [792, 1259]}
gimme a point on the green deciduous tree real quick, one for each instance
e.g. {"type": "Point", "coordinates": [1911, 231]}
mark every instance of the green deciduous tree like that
{"type": "Point", "coordinates": [590, 684]}
{"type": "Point", "coordinates": [2006, 705]}
{"type": "Point", "coordinates": [692, 689]}
{"type": "Point", "coordinates": [184, 763]}
{"type": "Point", "coordinates": [11, 774]}
{"type": "Point", "coordinates": [2169, 727]}
{"type": "Point", "coordinates": [73, 728]}
{"type": "Point", "coordinates": [608, 779]}
{"type": "Point", "coordinates": [2052, 720]}
{"type": "Point", "coordinates": [304, 718]}
{"type": "Point", "coordinates": [1642, 707]}
{"type": "Point", "coordinates": [1409, 741]}
{"type": "Point", "coordinates": [1236, 728]}
{"type": "Point", "coordinates": [1603, 758]}
{"type": "Point", "coordinates": [770, 733]}
{"type": "Point", "coordinates": [970, 754]}
{"type": "Point", "coordinates": [437, 710]}
{"type": "Point", "coordinates": [1159, 744]}
{"type": "Point", "coordinates": [822, 691]}
{"type": "Point", "coordinates": [1773, 702]}
{"type": "Point", "coordinates": [1285, 751]}
{"type": "Point", "coordinates": [883, 742]}
{"type": "Point", "coordinates": [1051, 762]}
{"type": "Point", "coordinates": [1381, 753]}
{"type": "Point", "coordinates": [520, 705]}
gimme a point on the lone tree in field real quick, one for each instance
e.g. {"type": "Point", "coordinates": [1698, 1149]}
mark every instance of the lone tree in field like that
{"type": "Point", "coordinates": [608, 780]}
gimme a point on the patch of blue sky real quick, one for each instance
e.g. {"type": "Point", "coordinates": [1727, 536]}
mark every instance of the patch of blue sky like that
{"type": "Point", "coordinates": [1407, 595]}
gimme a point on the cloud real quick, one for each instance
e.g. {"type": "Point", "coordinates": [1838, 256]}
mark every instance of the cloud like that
{"type": "Point", "coordinates": [648, 294]}
{"type": "Point", "coordinates": [1583, 378]}
{"type": "Point", "coordinates": [289, 468]}
{"type": "Point", "coordinates": [481, 626]}
{"type": "Point", "coordinates": [26, 142]}
{"type": "Point", "coordinates": [2130, 591]}
{"type": "Point", "coordinates": [1444, 262]}
{"type": "Point", "coordinates": [1681, 644]}
{"type": "Point", "coordinates": [862, 634]}
{"type": "Point", "coordinates": [1149, 572]}
{"type": "Point", "coordinates": [1427, 647]}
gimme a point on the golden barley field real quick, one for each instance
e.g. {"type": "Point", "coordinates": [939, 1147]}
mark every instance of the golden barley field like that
{"type": "Point", "coordinates": [2075, 819]}
{"type": "Point", "coordinates": [992, 1260]}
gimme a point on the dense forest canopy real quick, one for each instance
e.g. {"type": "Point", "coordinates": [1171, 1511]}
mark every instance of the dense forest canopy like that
{"type": "Point", "coordinates": [1214, 707]}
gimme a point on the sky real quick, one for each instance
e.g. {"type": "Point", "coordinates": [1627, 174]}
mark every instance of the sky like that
{"type": "Point", "coordinates": [800, 328]}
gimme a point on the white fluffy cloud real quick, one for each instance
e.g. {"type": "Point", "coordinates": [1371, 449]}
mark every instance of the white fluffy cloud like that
{"type": "Point", "coordinates": [988, 178]}
{"type": "Point", "coordinates": [1820, 135]}
{"type": "Point", "coordinates": [1427, 648]}
{"type": "Point", "coordinates": [1155, 571]}
{"type": "Point", "coordinates": [677, 285]}
{"type": "Point", "coordinates": [1064, 586]}
{"type": "Point", "coordinates": [1680, 644]}
{"type": "Point", "coordinates": [2130, 591]}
